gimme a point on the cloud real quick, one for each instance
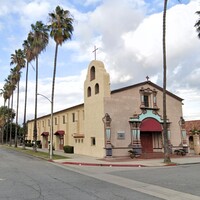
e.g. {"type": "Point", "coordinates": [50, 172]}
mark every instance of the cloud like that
{"type": "Point", "coordinates": [128, 35]}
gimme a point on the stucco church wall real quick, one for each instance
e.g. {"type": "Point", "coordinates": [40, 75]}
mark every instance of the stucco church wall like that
{"type": "Point", "coordinates": [122, 105]}
{"type": "Point", "coordinates": [174, 112]}
{"type": "Point", "coordinates": [69, 127]}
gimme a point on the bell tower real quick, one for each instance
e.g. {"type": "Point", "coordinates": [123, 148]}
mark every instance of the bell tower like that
{"type": "Point", "coordinates": [96, 90]}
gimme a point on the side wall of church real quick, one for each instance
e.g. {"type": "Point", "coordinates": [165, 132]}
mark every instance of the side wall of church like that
{"type": "Point", "coordinates": [70, 121]}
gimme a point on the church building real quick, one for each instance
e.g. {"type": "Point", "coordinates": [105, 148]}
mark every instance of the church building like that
{"type": "Point", "coordinates": [110, 123]}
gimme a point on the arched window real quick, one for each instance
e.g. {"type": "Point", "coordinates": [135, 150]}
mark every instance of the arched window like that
{"type": "Point", "coordinates": [92, 73]}
{"type": "Point", "coordinates": [96, 88]}
{"type": "Point", "coordinates": [89, 91]}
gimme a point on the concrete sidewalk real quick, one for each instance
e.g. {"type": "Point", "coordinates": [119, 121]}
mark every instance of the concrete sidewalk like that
{"type": "Point", "coordinates": [75, 159]}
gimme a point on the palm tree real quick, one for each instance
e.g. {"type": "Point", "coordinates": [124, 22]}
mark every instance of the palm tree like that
{"type": "Point", "coordinates": [8, 89]}
{"type": "Point", "coordinates": [4, 93]}
{"type": "Point", "coordinates": [39, 39]}
{"type": "Point", "coordinates": [29, 57]}
{"type": "Point", "coordinates": [11, 85]}
{"type": "Point", "coordinates": [197, 24]}
{"type": "Point", "coordinates": [165, 132]}
{"type": "Point", "coordinates": [61, 29]}
{"type": "Point", "coordinates": [19, 60]}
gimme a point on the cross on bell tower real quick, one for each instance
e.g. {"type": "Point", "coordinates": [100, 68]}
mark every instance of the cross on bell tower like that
{"type": "Point", "coordinates": [95, 52]}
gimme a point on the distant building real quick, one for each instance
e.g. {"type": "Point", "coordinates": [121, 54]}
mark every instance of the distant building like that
{"type": "Point", "coordinates": [192, 127]}
{"type": "Point", "coordinates": [109, 123]}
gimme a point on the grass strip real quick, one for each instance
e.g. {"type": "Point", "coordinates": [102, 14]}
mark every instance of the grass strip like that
{"type": "Point", "coordinates": [38, 154]}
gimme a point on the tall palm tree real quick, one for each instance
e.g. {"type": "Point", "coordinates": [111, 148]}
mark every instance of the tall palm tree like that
{"type": "Point", "coordinates": [19, 60]}
{"type": "Point", "coordinates": [39, 39]}
{"type": "Point", "coordinates": [197, 24]}
{"type": "Point", "coordinates": [12, 80]}
{"type": "Point", "coordinates": [29, 57]}
{"type": "Point", "coordinates": [61, 29]}
{"type": "Point", "coordinates": [8, 89]}
{"type": "Point", "coordinates": [4, 93]}
{"type": "Point", "coordinates": [165, 131]}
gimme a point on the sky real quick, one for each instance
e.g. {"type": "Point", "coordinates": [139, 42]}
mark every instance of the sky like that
{"type": "Point", "coordinates": [128, 35]}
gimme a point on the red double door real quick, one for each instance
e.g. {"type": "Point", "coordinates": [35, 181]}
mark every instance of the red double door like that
{"type": "Point", "coordinates": [146, 142]}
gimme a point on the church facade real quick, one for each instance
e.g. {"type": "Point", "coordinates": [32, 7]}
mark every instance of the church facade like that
{"type": "Point", "coordinates": [110, 123]}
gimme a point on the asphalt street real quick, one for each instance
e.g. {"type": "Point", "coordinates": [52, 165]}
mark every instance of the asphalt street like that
{"type": "Point", "coordinates": [27, 178]}
{"type": "Point", "coordinates": [23, 177]}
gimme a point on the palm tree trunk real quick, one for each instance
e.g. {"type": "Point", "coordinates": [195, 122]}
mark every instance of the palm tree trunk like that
{"type": "Point", "coordinates": [165, 132]}
{"type": "Point", "coordinates": [25, 104]}
{"type": "Point", "coordinates": [35, 119]}
{"type": "Point", "coordinates": [17, 110]}
{"type": "Point", "coordinates": [8, 120]}
{"type": "Point", "coordinates": [4, 123]}
{"type": "Point", "coordinates": [52, 97]}
{"type": "Point", "coordinates": [10, 142]}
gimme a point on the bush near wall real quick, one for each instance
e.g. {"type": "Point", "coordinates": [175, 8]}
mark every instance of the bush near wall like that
{"type": "Point", "coordinates": [68, 149]}
{"type": "Point", "coordinates": [39, 144]}
{"type": "Point", "coordinates": [28, 143]}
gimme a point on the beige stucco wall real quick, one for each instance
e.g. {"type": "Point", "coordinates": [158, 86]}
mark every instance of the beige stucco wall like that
{"type": "Point", "coordinates": [69, 127]}
{"type": "Point", "coordinates": [120, 105]}
{"type": "Point", "coordinates": [94, 109]}
{"type": "Point", "coordinates": [123, 104]}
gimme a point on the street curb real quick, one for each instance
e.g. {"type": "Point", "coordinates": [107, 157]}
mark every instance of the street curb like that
{"type": "Point", "coordinates": [115, 165]}
{"type": "Point", "coordinates": [102, 164]}
{"type": "Point", "coordinates": [192, 163]}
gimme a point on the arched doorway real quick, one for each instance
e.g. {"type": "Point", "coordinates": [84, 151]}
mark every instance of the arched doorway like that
{"type": "Point", "coordinates": [191, 142]}
{"type": "Point", "coordinates": [59, 139]}
{"type": "Point", "coordinates": [150, 135]}
{"type": "Point", "coordinates": [45, 139]}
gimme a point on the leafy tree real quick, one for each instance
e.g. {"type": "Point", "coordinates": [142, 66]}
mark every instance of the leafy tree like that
{"type": "Point", "coordinates": [5, 112]}
{"type": "Point", "coordinates": [11, 130]}
{"type": "Point", "coordinates": [61, 29]}
{"type": "Point", "coordinates": [38, 38]}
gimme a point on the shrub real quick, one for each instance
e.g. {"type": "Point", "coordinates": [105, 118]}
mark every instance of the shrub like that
{"type": "Point", "coordinates": [39, 144]}
{"type": "Point", "coordinates": [68, 149]}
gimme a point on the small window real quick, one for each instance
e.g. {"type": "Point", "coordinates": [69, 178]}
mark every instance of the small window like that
{"type": "Point", "coordinates": [64, 122]}
{"type": "Point", "coordinates": [43, 123]}
{"type": "Point", "coordinates": [121, 135]}
{"type": "Point", "coordinates": [89, 91]}
{"type": "Point", "coordinates": [146, 101]}
{"type": "Point", "coordinates": [56, 121]}
{"type": "Point", "coordinates": [49, 122]}
{"type": "Point", "coordinates": [96, 88]}
{"type": "Point", "coordinates": [92, 73]}
{"type": "Point", "coordinates": [93, 141]}
{"type": "Point", "coordinates": [73, 117]}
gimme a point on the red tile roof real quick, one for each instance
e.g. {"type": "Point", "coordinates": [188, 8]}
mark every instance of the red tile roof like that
{"type": "Point", "coordinates": [192, 125]}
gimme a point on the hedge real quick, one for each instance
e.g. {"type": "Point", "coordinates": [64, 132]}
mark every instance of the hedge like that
{"type": "Point", "coordinates": [68, 149]}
